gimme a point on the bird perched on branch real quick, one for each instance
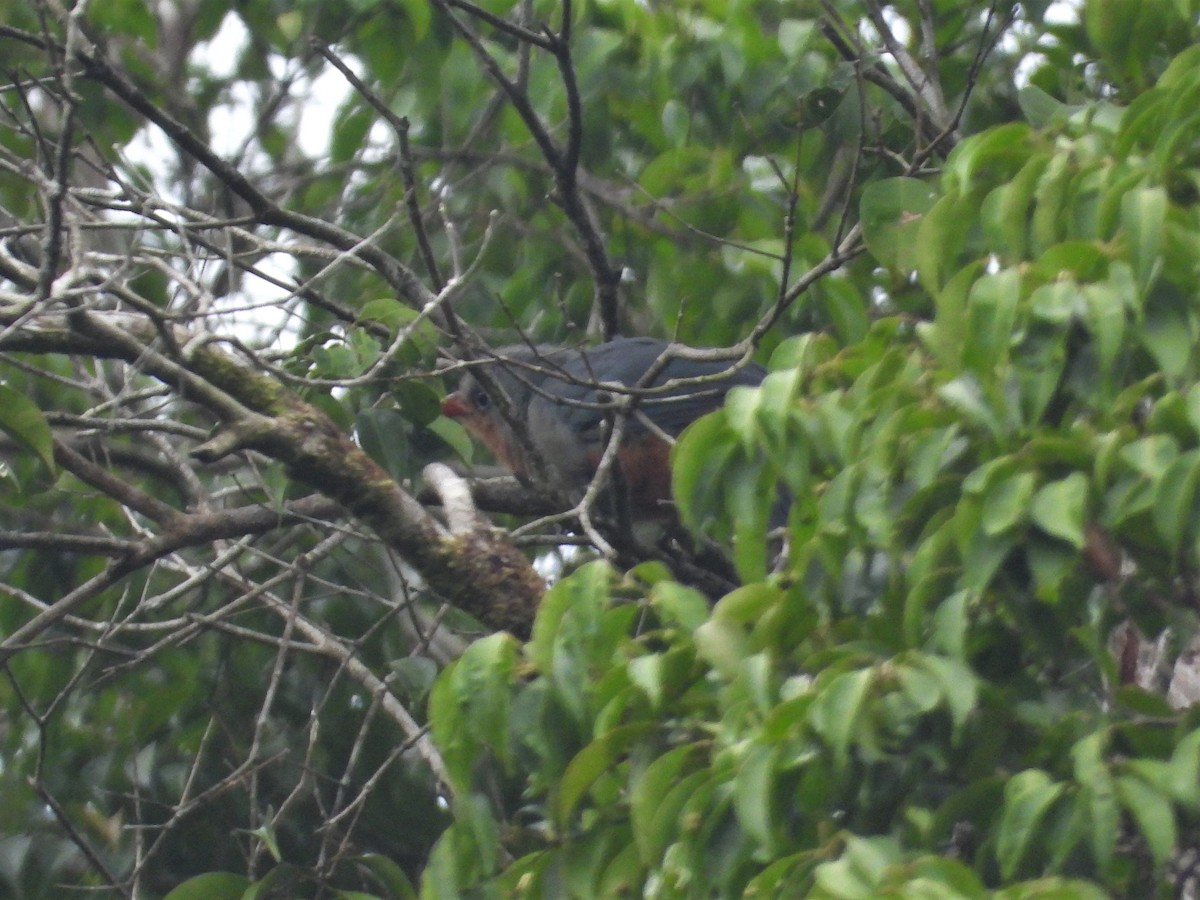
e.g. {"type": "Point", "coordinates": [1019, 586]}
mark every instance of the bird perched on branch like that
{"type": "Point", "coordinates": [570, 402]}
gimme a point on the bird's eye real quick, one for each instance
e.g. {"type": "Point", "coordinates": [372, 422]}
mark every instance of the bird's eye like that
{"type": "Point", "coordinates": [480, 398]}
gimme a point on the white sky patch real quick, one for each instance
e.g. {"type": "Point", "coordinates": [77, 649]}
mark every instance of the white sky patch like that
{"type": "Point", "coordinates": [152, 149]}
{"type": "Point", "coordinates": [323, 99]}
{"type": "Point", "coordinates": [550, 566]}
{"type": "Point", "coordinates": [231, 123]}
{"type": "Point", "coordinates": [260, 313]}
{"type": "Point", "coordinates": [313, 110]}
{"type": "Point", "coordinates": [1064, 12]}
{"type": "Point", "coordinates": [149, 148]}
{"type": "Point", "coordinates": [231, 37]}
{"type": "Point", "coordinates": [897, 25]}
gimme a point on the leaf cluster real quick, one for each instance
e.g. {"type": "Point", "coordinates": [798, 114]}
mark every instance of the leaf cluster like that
{"type": "Point", "coordinates": [964, 241]}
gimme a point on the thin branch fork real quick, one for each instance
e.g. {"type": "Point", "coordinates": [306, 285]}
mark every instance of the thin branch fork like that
{"type": "Point", "coordinates": [925, 86]}
{"type": "Point", "coordinates": [403, 280]}
{"type": "Point", "coordinates": [563, 161]}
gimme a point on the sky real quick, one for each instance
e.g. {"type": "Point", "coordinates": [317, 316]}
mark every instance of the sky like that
{"type": "Point", "coordinates": [256, 316]}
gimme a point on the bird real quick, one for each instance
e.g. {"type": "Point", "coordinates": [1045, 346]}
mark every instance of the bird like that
{"type": "Point", "coordinates": [566, 398]}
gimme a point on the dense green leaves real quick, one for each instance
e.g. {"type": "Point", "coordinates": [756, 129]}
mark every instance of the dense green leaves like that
{"type": "Point", "coordinates": [22, 421]}
{"type": "Point", "coordinates": [900, 676]}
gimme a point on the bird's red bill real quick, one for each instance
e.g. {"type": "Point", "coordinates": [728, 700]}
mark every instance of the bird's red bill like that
{"type": "Point", "coordinates": [453, 406]}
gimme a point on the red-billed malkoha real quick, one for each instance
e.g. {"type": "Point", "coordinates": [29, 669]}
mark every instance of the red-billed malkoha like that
{"type": "Point", "coordinates": [566, 399]}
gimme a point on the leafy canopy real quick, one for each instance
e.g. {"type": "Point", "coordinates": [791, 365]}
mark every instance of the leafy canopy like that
{"type": "Point", "coordinates": [963, 238]}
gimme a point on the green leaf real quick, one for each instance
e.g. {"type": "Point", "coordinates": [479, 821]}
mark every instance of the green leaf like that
{"type": "Point", "coordinates": [1057, 302]}
{"type": "Point", "coordinates": [420, 15]}
{"type": "Point", "coordinates": [1151, 455]}
{"type": "Point", "coordinates": [652, 829]}
{"type": "Point", "coordinates": [950, 624]}
{"type": "Point", "coordinates": [698, 461]}
{"type": "Point", "coordinates": [1028, 796]}
{"type": "Point", "coordinates": [350, 129]}
{"type": "Point", "coordinates": [211, 886]}
{"type": "Point", "coordinates": [846, 306]}
{"type": "Point", "coordinates": [676, 122]}
{"type": "Point", "coordinates": [413, 676]}
{"type": "Point", "coordinates": [1124, 32]}
{"type": "Point", "coordinates": [1109, 24]}
{"type": "Point", "coordinates": [723, 645]}
{"type": "Point", "coordinates": [1192, 406]}
{"type": "Point", "coordinates": [677, 603]}
{"type": "Point", "coordinates": [1006, 210]}
{"type": "Point", "coordinates": [835, 712]}
{"type": "Point", "coordinates": [383, 435]}
{"type": "Point", "coordinates": [991, 315]}
{"type": "Point", "coordinates": [754, 795]}
{"type": "Point", "coordinates": [1053, 889]}
{"type": "Point", "coordinates": [989, 154]}
{"type": "Point", "coordinates": [950, 879]}
{"type": "Point", "coordinates": [647, 673]}
{"type": "Point", "coordinates": [956, 682]}
{"type": "Point", "coordinates": [387, 311]}
{"type": "Point", "coordinates": [940, 237]}
{"type": "Point", "coordinates": [22, 421]}
{"type": "Point", "coordinates": [919, 687]}
{"type": "Point", "coordinates": [469, 706]}
{"type": "Point", "coordinates": [597, 758]}
{"type": "Point", "coordinates": [981, 553]}
{"type": "Point", "coordinates": [1040, 108]}
{"type": "Point", "coordinates": [1175, 495]}
{"type": "Point", "coordinates": [390, 874]}
{"type": "Point", "coordinates": [965, 396]}
{"type": "Point", "coordinates": [270, 839]}
{"type": "Point", "coordinates": [483, 677]}
{"type": "Point", "coordinates": [1167, 334]}
{"type": "Point", "coordinates": [1050, 562]}
{"type": "Point", "coordinates": [1059, 509]}
{"type": "Point", "coordinates": [583, 592]}
{"type": "Point", "coordinates": [1099, 795]}
{"type": "Point", "coordinates": [454, 435]}
{"type": "Point", "coordinates": [1145, 702]}
{"type": "Point", "coordinates": [1153, 813]}
{"type": "Point", "coordinates": [478, 834]}
{"type": "Point", "coordinates": [794, 36]}
{"type": "Point", "coordinates": [1046, 226]}
{"type": "Point", "coordinates": [749, 498]}
{"type": "Point", "coordinates": [622, 875]}
{"type": "Point", "coordinates": [1144, 216]}
{"type": "Point", "coordinates": [419, 403]}
{"type": "Point", "coordinates": [1105, 316]}
{"type": "Point", "coordinates": [748, 604]}
{"type": "Point", "coordinates": [1081, 261]}
{"type": "Point", "coordinates": [498, 7]}
{"type": "Point", "coordinates": [1006, 503]}
{"type": "Point", "coordinates": [858, 873]}
{"type": "Point", "coordinates": [1185, 763]}
{"type": "Point", "coordinates": [891, 212]}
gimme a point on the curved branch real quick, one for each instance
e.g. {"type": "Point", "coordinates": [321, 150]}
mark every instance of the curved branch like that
{"type": "Point", "coordinates": [481, 572]}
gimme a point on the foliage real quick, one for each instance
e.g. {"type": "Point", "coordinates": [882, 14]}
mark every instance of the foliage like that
{"type": "Point", "coordinates": [964, 241]}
